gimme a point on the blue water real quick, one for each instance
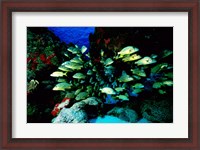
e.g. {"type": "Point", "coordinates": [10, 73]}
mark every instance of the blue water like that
{"type": "Point", "coordinates": [76, 35]}
{"type": "Point", "coordinates": [107, 119]}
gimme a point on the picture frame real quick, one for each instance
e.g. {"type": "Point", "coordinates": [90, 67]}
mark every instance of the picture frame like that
{"type": "Point", "coordinates": [10, 6]}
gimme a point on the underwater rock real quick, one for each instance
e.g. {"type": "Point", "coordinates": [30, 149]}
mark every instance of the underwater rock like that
{"type": "Point", "coordinates": [68, 115]}
{"type": "Point", "coordinates": [107, 119]}
{"type": "Point", "coordinates": [126, 114]}
{"type": "Point", "coordinates": [79, 112]}
{"type": "Point", "coordinates": [144, 120]}
{"type": "Point", "coordinates": [157, 111]}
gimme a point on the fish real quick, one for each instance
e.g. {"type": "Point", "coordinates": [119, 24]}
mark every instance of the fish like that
{"type": "Point", "coordinates": [72, 65]}
{"type": "Point", "coordinates": [159, 68]}
{"type": "Point", "coordinates": [58, 74]}
{"type": "Point", "coordinates": [61, 80]}
{"type": "Point", "coordinates": [108, 61]}
{"type": "Point", "coordinates": [77, 60]}
{"type": "Point", "coordinates": [125, 78]}
{"type": "Point", "coordinates": [169, 75]}
{"type": "Point", "coordinates": [128, 50]}
{"type": "Point", "coordinates": [119, 89]}
{"type": "Point", "coordinates": [138, 86]}
{"type": "Point", "coordinates": [63, 68]}
{"type": "Point", "coordinates": [81, 95]}
{"type": "Point", "coordinates": [145, 61]}
{"type": "Point", "coordinates": [62, 86]}
{"type": "Point", "coordinates": [110, 100]}
{"type": "Point", "coordinates": [108, 90]}
{"type": "Point", "coordinates": [123, 97]}
{"type": "Point", "coordinates": [157, 85]}
{"type": "Point", "coordinates": [132, 58]}
{"type": "Point", "coordinates": [166, 53]}
{"type": "Point", "coordinates": [162, 91]}
{"type": "Point", "coordinates": [139, 72]}
{"type": "Point", "coordinates": [83, 49]}
{"type": "Point", "coordinates": [70, 94]}
{"type": "Point", "coordinates": [168, 83]}
{"type": "Point", "coordinates": [65, 102]}
{"type": "Point", "coordinates": [89, 72]}
{"type": "Point", "coordinates": [74, 50]}
{"type": "Point", "coordinates": [79, 76]}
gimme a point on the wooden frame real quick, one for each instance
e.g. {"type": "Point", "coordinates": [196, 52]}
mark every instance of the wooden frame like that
{"type": "Point", "coordinates": [9, 6]}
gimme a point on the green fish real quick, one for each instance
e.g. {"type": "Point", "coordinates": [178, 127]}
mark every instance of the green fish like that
{"type": "Point", "coordinates": [145, 61]}
{"type": "Point", "coordinates": [61, 80]}
{"type": "Point", "coordinates": [162, 91]}
{"type": "Point", "coordinates": [157, 85]}
{"type": "Point", "coordinates": [169, 75]}
{"type": "Point", "coordinates": [128, 50]}
{"type": "Point", "coordinates": [139, 72]}
{"type": "Point", "coordinates": [63, 68]}
{"type": "Point", "coordinates": [78, 91]}
{"type": "Point", "coordinates": [108, 90]}
{"type": "Point", "coordinates": [125, 78]}
{"type": "Point", "coordinates": [62, 86]}
{"type": "Point", "coordinates": [138, 85]}
{"type": "Point", "coordinates": [74, 50]}
{"type": "Point", "coordinates": [70, 95]}
{"type": "Point", "coordinates": [82, 95]}
{"type": "Point", "coordinates": [89, 72]}
{"type": "Point", "coordinates": [168, 83]}
{"type": "Point", "coordinates": [119, 89]}
{"type": "Point", "coordinates": [72, 65]}
{"type": "Point", "coordinates": [108, 61]}
{"type": "Point", "coordinates": [77, 60]}
{"type": "Point", "coordinates": [123, 97]}
{"type": "Point", "coordinates": [83, 49]}
{"type": "Point", "coordinates": [166, 53]}
{"type": "Point", "coordinates": [159, 68]}
{"type": "Point", "coordinates": [132, 58]}
{"type": "Point", "coordinates": [58, 74]}
{"type": "Point", "coordinates": [79, 76]}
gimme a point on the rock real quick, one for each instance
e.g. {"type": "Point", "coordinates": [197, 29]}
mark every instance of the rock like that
{"type": "Point", "coordinates": [144, 120]}
{"type": "Point", "coordinates": [157, 111]}
{"type": "Point", "coordinates": [80, 112]}
{"type": "Point", "coordinates": [107, 119]}
{"type": "Point", "coordinates": [125, 114]}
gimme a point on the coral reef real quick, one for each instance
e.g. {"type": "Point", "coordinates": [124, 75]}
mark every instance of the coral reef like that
{"type": "Point", "coordinates": [79, 112]}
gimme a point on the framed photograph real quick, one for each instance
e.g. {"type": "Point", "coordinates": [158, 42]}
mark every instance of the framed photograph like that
{"type": "Point", "coordinates": [100, 75]}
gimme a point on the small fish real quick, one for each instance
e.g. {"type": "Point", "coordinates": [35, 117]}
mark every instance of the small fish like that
{"type": "Point", "coordinates": [125, 78]}
{"type": "Point", "coordinates": [63, 68]}
{"type": "Point", "coordinates": [119, 89]}
{"type": "Point", "coordinates": [162, 91]}
{"type": "Point", "coordinates": [145, 61]}
{"type": "Point", "coordinates": [108, 61]}
{"type": "Point", "coordinates": [77, 60]}
{"type": "Point", "coordinates": [89, 72]}
{"type": "Point", "coordinates": [138, 85]}
{"type": "Point", "coordinates": [82, 95]}
{"type": "Point", "coordinates": [154, 56]}
{"type": "Point", "coordinates": [128, 50]}
{"type": "Point", "coordinates": [139, 72]}
{"type": "Point", "coordinates": [169, 75]}
{"type": "Point", "coordinates": [110, 100]}
{"type": "Point", "coordinates": [123, 97]}
{"type": "Point", "coordinates": [62, 86]}
{"type": "Point", "coordinates": [83, 49]}
{"type": "Point", "coordinates": [79, 76]}
{"type": "Point", "coordinates": [70, 94]}
{"type": "Point", "coordinates": [58, 74]}
{"type": "Point", "coordinates": [108, 90]}
{"type": "Point", "coordinates": [157, 85]}
{"type": "Point", "coordinates": [61, 80]}
{"type": "Point", "coordinates": [72, 65]}
{"type": "Point", "coordinates": [159, 68]}
{"type": "Point", "coordinates": [166, 53]}
{"type": "Point", "coordinates": [132, 58]}
{"type": "Point", "coordinates": [168, 83]}
{"type": "Point", "coordinates": [74, 50]}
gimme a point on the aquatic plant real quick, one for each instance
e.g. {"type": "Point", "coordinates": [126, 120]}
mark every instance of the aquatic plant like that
{"type": "Point", "coordinates": [113, 79]}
